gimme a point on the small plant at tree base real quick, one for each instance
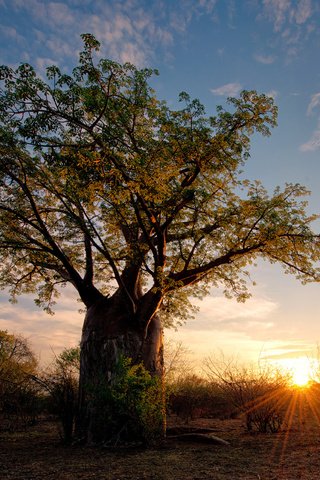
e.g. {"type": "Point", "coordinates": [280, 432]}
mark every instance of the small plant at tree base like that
{"type": "Point", "coordinates": [129, 408]}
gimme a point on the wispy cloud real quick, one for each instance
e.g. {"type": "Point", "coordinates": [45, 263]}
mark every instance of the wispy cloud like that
{"type": "Point", "coordinates": [208, 5]}
{"type": "Point", "coordinates": [277, 11]}
{"type": "Point", "coordinates": [314, 102]}
{"type": "Point", "coordinates": [293, 21]}
{"type": "Point", "coordinates": [314, 142]}
{"type": "Point", "coordinates": [303, 11]}
{"type": "Point", "coordinates": [127, 30]}
{"type": "Point", "coordinates": [228, 90]}
{"type": "Point", "coordinates": [180, 14]}
{"type": "Point", "coordinates": [265, 59]}
{"type": "Point", "coordinates": [282, 12]}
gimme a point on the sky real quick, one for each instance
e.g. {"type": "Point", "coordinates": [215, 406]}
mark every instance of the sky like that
{"type": "Point", "coordinates": [212, 49]}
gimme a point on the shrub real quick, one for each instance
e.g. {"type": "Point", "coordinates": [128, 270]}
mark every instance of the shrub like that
{"type": "Point", "coordinates": [130, 407]}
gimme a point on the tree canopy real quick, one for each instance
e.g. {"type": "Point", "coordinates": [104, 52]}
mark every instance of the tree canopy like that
{"type": "Point", "coordinates": [105, 187]}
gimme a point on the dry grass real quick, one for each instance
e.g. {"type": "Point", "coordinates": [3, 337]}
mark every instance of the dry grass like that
{"type": "Point", "coordinates": [292, 454]}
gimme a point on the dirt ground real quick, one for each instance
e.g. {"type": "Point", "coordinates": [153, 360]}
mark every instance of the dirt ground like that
{"type": "Point", "coordinates": [37, 454]}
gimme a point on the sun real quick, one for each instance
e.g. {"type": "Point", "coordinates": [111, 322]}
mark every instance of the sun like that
{"type": "Point", "coordinates": [299, 369]}
{"type": "Point", "coordinates": [300, 376]}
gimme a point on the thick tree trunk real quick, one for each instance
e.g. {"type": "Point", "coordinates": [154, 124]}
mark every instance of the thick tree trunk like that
{"type": "Point", "coordinates": [110, 335]}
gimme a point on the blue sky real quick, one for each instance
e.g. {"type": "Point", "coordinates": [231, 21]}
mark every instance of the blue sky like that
{"type": "Point", "coordinates": [211, 49]}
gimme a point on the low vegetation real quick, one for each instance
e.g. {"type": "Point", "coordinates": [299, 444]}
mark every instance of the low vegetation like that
{"type": "Point", "coordinates": [293, 453]}
{"type": "Point", "coordinates": [260, 396]}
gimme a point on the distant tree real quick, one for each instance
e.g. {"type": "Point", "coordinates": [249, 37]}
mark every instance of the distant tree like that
{"type": "Point", "coordinates": [18, 364]}
{"type": "Point", "coordinates": [136, 205]}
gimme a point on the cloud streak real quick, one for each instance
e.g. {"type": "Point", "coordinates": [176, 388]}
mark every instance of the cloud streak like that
{"type": "Point", "coordinates": [227, 90]}
{"type": "Point", "coordinates": [265, 59]}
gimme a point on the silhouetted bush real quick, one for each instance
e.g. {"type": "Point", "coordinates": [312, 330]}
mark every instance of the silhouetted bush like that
{"type": "Point", "coordinates": [261, 394]}
{"type": "Point", "coordinates": [193, 397]}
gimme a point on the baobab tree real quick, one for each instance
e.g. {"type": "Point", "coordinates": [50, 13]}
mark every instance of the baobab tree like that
{"type": "Point", "coordinates": [138, 206]}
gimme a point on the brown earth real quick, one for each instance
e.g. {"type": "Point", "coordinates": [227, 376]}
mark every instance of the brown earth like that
{"type": "Point", "coordinates": [36, 454]}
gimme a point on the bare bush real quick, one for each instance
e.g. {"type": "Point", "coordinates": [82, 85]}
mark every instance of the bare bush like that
{"type": "Point", "coordinates": [177, 362]}
{"type": "Point", "coordinates": [186, 392]}
{"type": "Point", "coordinates": [260, 393]}
{"type": "Point", "coordinates": [61, 382]}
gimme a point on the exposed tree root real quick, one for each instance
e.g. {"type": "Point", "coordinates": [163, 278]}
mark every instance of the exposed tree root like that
{"type": "Point", "coordinates": [200, 435]}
